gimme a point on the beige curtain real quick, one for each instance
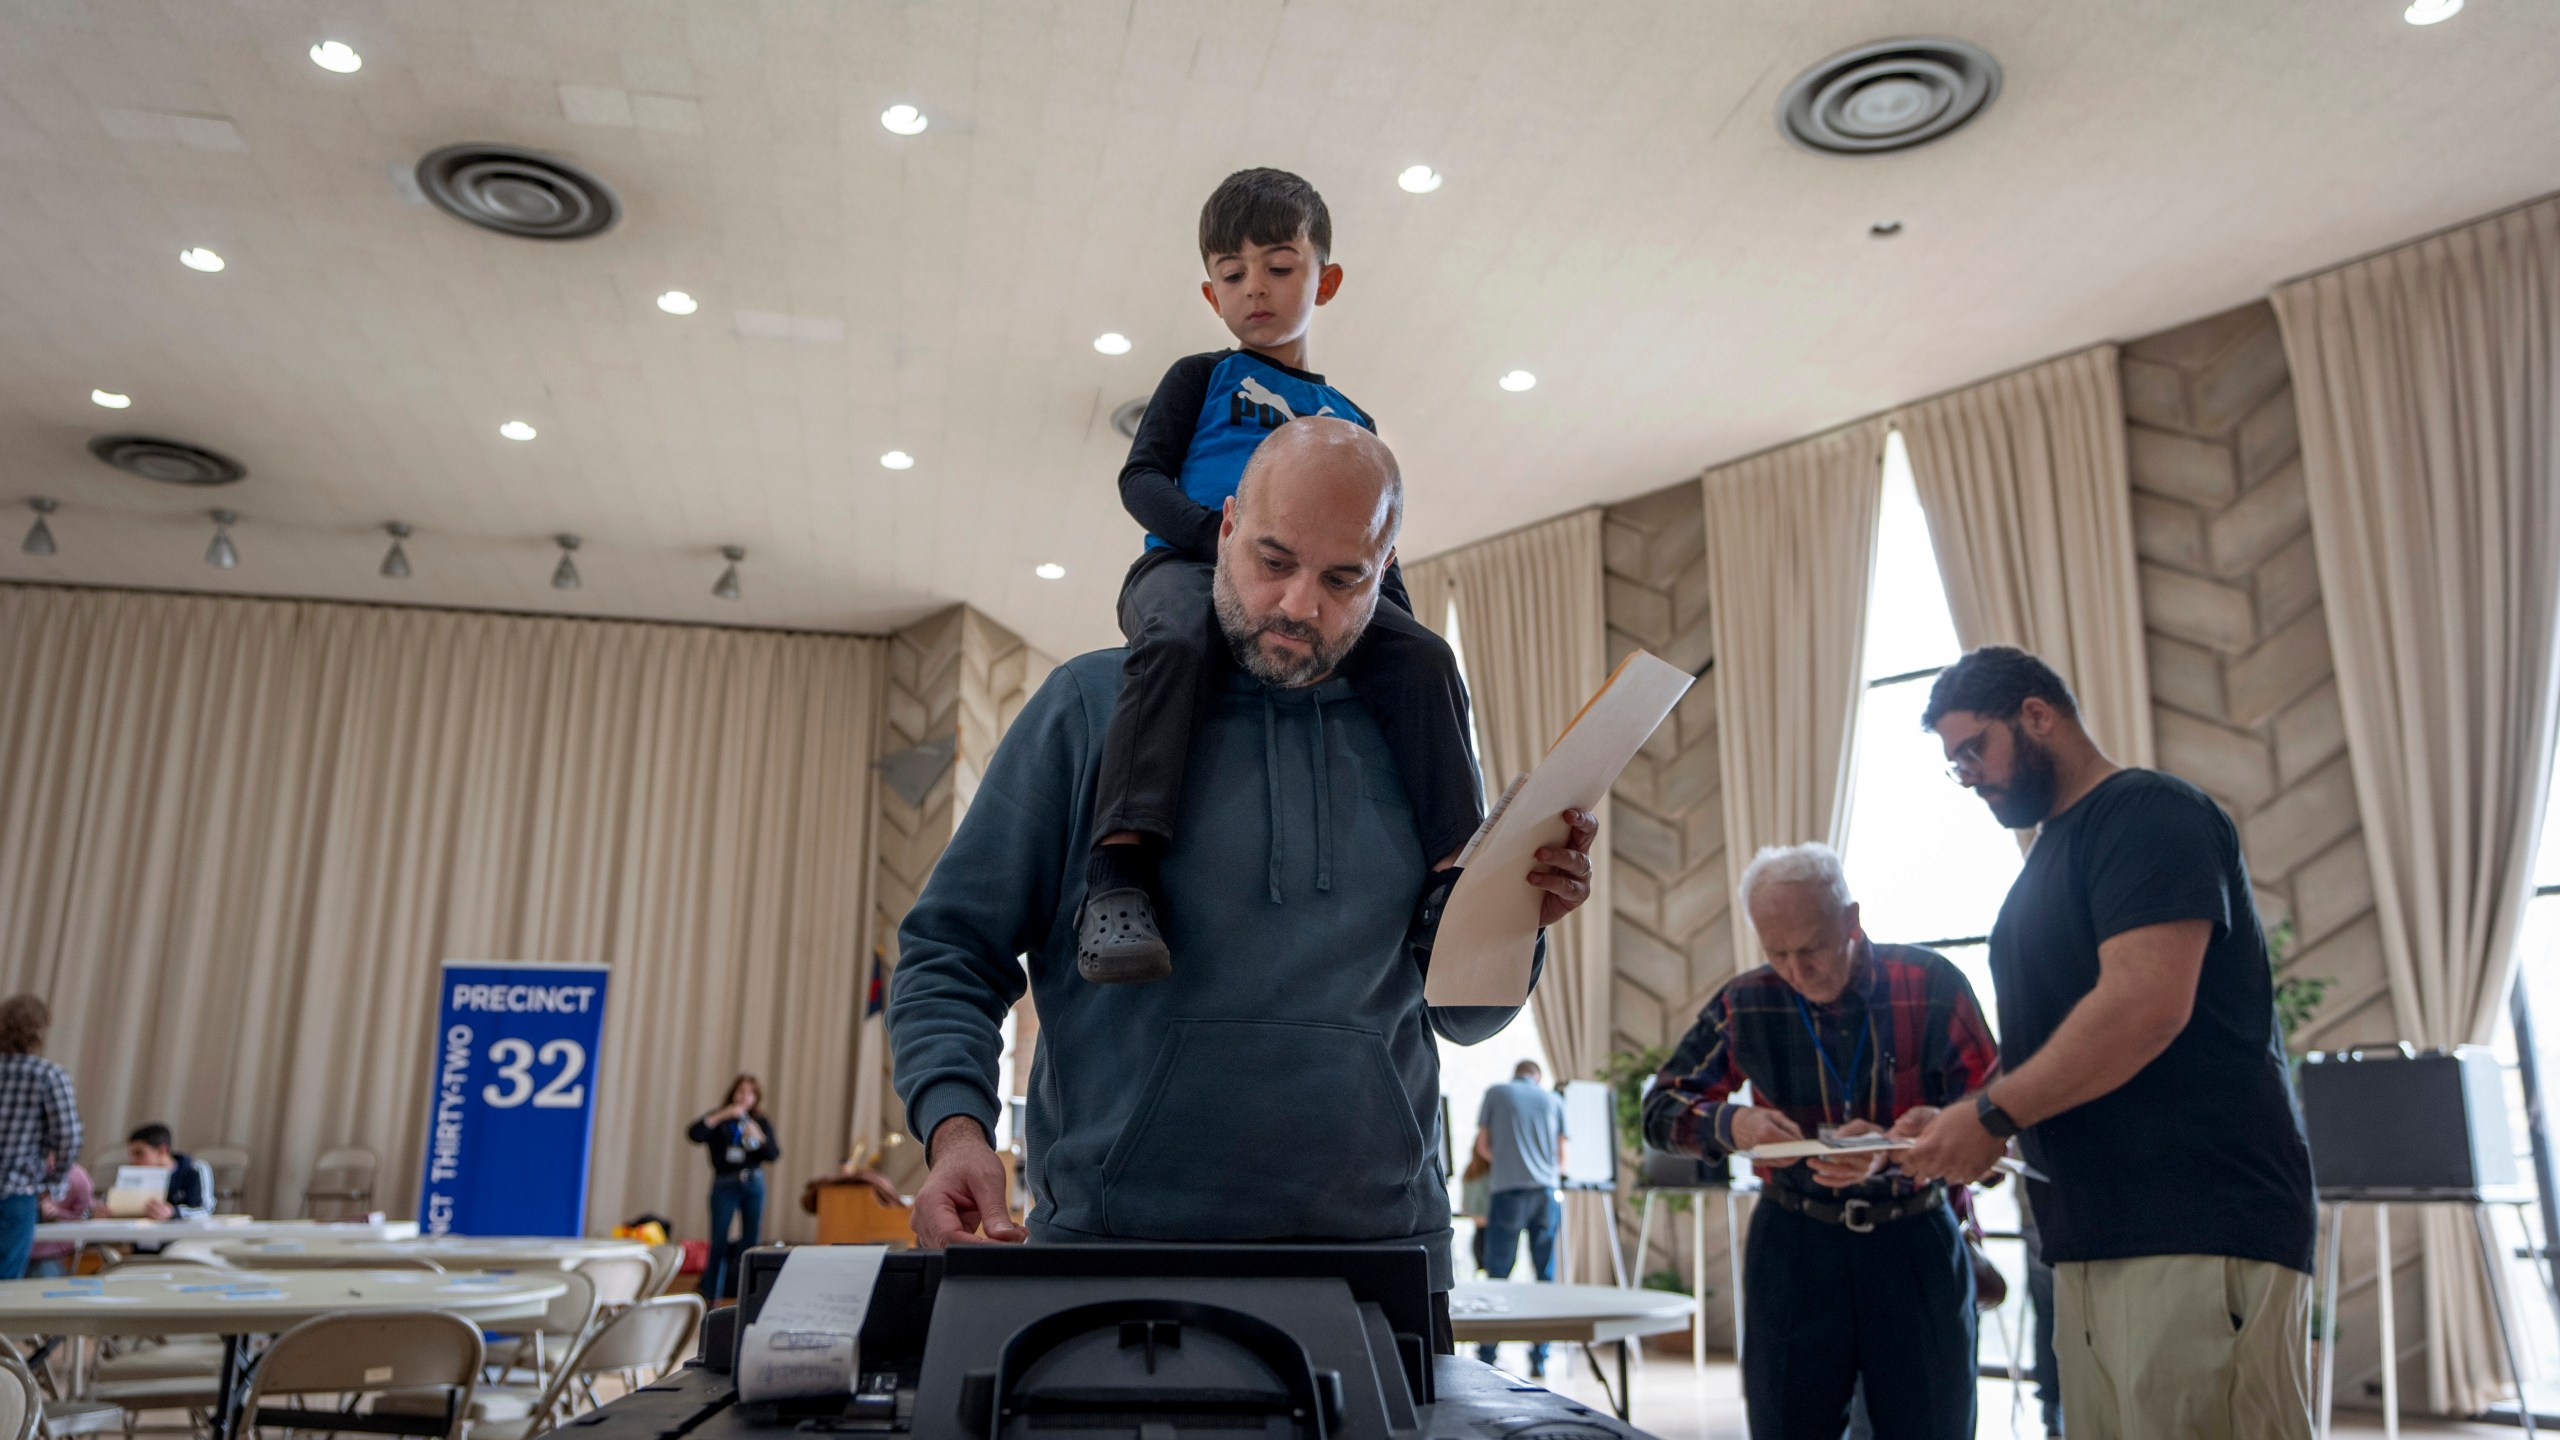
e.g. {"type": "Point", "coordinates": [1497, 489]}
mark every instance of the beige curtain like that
{"type": "Point", "coordinates": [2031, 513]}
{"type": "Point", "coordinates": [1791, 541]}
{"type": "Point", "coordinates": [237, 837]}
{"type": "Point", "coordinates": [1529, 621]}
{"type": "Point", "coordinates": [2427, 388]}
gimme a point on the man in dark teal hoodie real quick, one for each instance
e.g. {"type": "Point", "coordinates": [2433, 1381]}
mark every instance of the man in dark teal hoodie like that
{"type": "Point", "coordinates": [1283, 1085]}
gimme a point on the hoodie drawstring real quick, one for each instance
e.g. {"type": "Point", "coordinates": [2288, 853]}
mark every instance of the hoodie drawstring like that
{"type": "Point", "coordinates": [1271, 781]}
{"type": "Point", "coordinates": [1324, 801]}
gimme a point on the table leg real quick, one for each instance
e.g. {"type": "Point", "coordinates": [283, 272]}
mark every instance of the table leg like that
{"type": "Point", "coordinates": [1627, 1396]}
{"type": "Point", "coordinates": [2496, 1278]}
{"type": "Point", "coordinates": [1698, 1253]}
{"type": "Point", "coordinates": [226, 1405]}
{"type": "Point", "coordinates": [2324, 1333]}
{"type": "Point", "coordinates": [1733, 1257]}
{"type": "Point", "coordinates": [2390, 1338]}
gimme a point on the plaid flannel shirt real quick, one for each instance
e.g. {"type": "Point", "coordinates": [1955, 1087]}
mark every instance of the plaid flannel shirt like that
{"type": "Point", "coordinates": [39, 1125]}
{"type": "Point", "coordinates": [1924, 1043]}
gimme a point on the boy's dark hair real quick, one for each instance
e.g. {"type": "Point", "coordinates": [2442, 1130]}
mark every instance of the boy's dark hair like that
{"type": "Point", "coordinates": [1264, 207]}
{"type": "Point", "coordinates": [23, 1021]}
{"type": "Point", "coordinates": [155, 1135]}
{"type": "Point", "coordinates": [1994, 681]}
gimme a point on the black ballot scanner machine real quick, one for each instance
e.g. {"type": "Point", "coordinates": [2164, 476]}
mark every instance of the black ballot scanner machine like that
{"type": "Point", "coordinates": [1121, 1342]}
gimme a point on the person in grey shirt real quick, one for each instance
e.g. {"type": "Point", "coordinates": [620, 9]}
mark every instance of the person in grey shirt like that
{"type": "Point", "coordinates": [1520, 1129]}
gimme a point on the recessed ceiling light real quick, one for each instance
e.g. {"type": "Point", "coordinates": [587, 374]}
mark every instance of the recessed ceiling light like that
{"type": "Point", "coordinates": [1050, 571]}
{"type": "Point", "coordinates": [898, 460]}
{"type": "Point", "coordinates": [516, 430]}
{"type": "Point", "coordinates": [2428, 12]}
{"type": "Point", "coordinates": [337, 55]}
{"type": "Point", "coordinates": [1517, 381]}
{"type": "Point", "coordinates": [676, 302]}
{"type": "Point", "coordinates": [200, 258]}
{"type": "Point", "coordinates": [1113, 343]}
{"type": "Point", "coordinates": [1885, 229]}
{"type": "Point", "coordinates": [1419, 179]}
{"type": "Point", "coordinates": [902, 120]}
{"type": "Point", "coordinates": [110, 399]}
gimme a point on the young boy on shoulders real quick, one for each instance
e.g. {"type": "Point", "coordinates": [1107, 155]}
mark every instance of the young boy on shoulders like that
{"type": "Point", "coordinates": [1267, 240]}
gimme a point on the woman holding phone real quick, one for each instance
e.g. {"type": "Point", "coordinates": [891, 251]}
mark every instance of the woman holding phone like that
{"type": "Point", "coordinates": [740, 1139]}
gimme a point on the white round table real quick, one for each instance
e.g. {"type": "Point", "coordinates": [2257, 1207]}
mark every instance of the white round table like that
{"type": "Point", "coordinates": [107, 1231]}
{"type": "Point", "coordinates": [1486, 1312]}
{"type": "Point", "coordinates": [453, 1252]}
{"type": "Point", "coordinates": [236, 1304]}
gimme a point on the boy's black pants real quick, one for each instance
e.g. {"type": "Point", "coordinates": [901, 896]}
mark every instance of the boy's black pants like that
{"type": "Point", "coordinates": [1403, 672]}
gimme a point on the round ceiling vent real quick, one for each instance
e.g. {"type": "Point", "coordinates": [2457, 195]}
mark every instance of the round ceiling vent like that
{"type": "Point", "coordinates": [518, 192]}
{"type": "Point", "coordinates": [171, 462]}
{"type": "Point", "coordinates": [1891, 95]}
{"type": "Point", "coordinates": [1126, 418]}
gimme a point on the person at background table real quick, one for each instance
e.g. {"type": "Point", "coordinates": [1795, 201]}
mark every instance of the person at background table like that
{"type": "Point", "coordinates": [1520, 1131]}
{"type": "Point", "coordinates": [77, 1198]}
{"type": "Point", "coordinates": [190, 1195]}
{"type": "Point", "coordinates": [39, 1127]}
{"type": "Point", "coordinates": [741, 1143]}
{"type": "Point", "coordinates": [2139, 1013]}
{"type": "Point", "coordinates": [1852, 1274]}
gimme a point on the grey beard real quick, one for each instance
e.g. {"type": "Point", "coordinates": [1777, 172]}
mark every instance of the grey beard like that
{"type": "Point", "coordinates": [1241, 632]}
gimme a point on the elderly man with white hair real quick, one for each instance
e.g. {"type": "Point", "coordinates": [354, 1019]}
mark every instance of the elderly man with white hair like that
{"type": "Point", "coordinates": [1852, 1273]}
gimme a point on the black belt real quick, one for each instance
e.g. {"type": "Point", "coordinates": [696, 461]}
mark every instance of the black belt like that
{"type": "Point", "coordinates": [1853, 1214]}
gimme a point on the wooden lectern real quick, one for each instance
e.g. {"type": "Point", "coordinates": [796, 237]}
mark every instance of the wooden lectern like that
{"type": "Point", "coordinates": [851, 1212]}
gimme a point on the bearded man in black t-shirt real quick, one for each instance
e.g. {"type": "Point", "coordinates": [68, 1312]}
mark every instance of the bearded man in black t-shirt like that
{"type": "Point", "coordinates": [2145, 1076]}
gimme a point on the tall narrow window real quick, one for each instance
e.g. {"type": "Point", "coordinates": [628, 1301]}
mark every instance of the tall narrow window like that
{"type": "Point", "coordinates": [1928, 864]}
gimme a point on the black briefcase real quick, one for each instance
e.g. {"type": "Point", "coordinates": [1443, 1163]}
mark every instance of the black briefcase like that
{"type": "Point", "coordinates": [2395, 1125]}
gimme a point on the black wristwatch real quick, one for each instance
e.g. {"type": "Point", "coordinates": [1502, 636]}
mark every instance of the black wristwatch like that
{"type": "Point", "coordinates": [1993, 1118]}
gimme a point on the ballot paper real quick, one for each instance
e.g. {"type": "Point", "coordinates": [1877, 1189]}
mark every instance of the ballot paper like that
{"type": "Point", "coordinates": [1818, 1147]}
{"type": "Point", "coordinates": [803, 1342]}
{"type": "Point", "coordinates": [1489, 929]}
{"type": "Point", "coordinates": [135, 1188]}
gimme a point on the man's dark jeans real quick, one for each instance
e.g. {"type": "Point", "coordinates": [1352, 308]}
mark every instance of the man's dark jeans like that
{"type": "Point", "coordinates": [17, 1234]}
{"type": "Point", "coordinates": [1532, 1211]}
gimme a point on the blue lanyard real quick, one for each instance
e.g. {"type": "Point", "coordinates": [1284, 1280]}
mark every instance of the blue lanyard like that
{"type": "Point", "coordinates": [1847, 1102]}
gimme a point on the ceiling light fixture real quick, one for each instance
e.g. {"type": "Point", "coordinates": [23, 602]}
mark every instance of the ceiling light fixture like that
{"type": "Point", "coordinates": [564, 576]}
{"type": "Point", "coordinates": [1884, 229]}
{"type": "Point", "coordinates": [676, 302]}
{"type": "Point", "coordinates": [1051, 570]}
{"type": "Point", "coordinates": [338, 56]}
{"type": "Point", "coordinates": [897, 460]}
{"type": "Point", "coordinates": [517, 430]}
{"type": "Point", "coordinates": [395, 565]}
{"type": "Point", "coordinates": [110, 400]}
{"type": "Point", "coordinates": [1111, 343]}
{"type": "Point", "coordinates": [2428, 12]}
{"type": "Point", "coordinates": [40, 535]}
{"type": "Point", "coordinates": [903, 120]}
{"type": "Point", "coordinates": [221, 554]}
{"type": "Point", "coordinates": [1419, 179]}
{"type": "Point", "coordinates": [199, 258]}
{"type": "Point", "coordinates": [726, 588]}
{"type": "Point", "coordinates": [1517, 381]}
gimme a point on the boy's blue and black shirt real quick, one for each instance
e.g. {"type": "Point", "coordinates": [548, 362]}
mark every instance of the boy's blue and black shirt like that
{"type": "Point", "coordinates": [1202, 425]}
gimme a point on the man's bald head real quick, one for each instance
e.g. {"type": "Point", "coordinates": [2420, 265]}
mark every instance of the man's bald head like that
{"type": "Point", "coordinates": [1306, 538]}
{"type": "Point", "coordinates": [1331, 463]}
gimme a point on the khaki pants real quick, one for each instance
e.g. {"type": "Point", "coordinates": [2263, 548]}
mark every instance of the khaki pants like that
{"type": "Point", "coordinates": [2195, 1347]}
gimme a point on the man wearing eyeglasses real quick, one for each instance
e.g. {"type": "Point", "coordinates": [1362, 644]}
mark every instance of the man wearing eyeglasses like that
{"type": "Point", "coordinates": [2137, 1015]}
{"type": "Point", "coordinates": [1852, 1273]}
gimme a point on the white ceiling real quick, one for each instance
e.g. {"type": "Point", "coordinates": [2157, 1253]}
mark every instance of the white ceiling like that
{"type": "Point", "coordinates": [1620, 217]}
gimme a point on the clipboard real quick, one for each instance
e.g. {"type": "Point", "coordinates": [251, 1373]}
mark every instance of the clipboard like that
{"type": "Point", "coordinates": [1489, 930]}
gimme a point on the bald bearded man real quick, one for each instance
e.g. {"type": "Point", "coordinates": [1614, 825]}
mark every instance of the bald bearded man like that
{"type": "Point", "coordinates": [1282, 1086]}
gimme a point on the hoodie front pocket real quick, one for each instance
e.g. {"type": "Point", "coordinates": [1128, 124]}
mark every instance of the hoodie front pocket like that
{"type": "Point", "coordinates": [1267, 1130]}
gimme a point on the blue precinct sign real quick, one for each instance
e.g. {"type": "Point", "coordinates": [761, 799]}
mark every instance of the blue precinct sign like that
{"type": "Point", "coordinates": [511, 1101]}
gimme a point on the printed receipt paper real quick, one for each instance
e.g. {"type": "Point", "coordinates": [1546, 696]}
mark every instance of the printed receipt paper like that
{"type": "Point", "coordinates": [804, 1341]}
{"type": "Point", "coordinates": [1489, 932]}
